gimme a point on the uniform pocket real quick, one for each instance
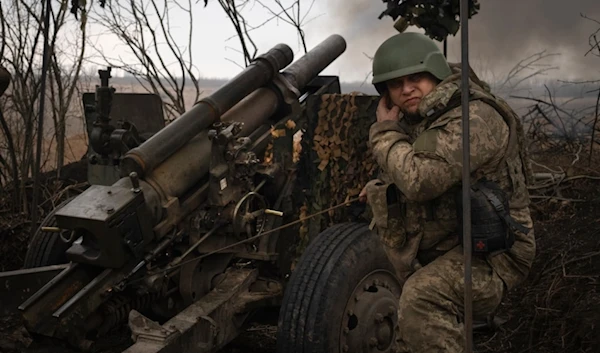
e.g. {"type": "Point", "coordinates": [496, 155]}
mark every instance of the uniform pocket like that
{"type": "Point", "coordinates": [386, 207]}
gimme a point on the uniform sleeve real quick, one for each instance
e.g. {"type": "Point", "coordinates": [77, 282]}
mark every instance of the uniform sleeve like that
{"type": "Point", "coordinates": [431, 165]}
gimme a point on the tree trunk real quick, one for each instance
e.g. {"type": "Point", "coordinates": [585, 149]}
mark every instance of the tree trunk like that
{"type": "Point", "coordinates": [26, 162]}
{"type": "Point", "coordinates": [14, 168]}
{"type": "Point", "coordinates": [60, 143]}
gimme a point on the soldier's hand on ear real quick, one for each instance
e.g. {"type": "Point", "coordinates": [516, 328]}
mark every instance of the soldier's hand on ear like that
{"type": "Point", "coordinates": [384, 113]}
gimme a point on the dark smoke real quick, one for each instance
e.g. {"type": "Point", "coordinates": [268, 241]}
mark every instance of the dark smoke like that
{"type": "Point", "coordinates": [501, 34]}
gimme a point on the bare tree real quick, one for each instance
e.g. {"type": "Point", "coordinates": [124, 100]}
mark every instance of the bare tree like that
{"type": "Point", "coordinates": [162, 64]}
{"type": "Point", "coordinates": [584, 121]}
{"type": "Point", "coordinates": [292, 12]}
{"type": "Point", "coordinates": [594, 50]}
{"type": "Point", "coordinates": [23, 36]}
{"type": "Point", "coordinates": [65, 72]}
{"type": "Point", "coordinates": [234, 11]}
{"type": "Point", "coordinates": [22, 48]}
{"type": "Point", "coordinates": [533, 66]}
{"type": "Point", "coordinates": [552, 125]}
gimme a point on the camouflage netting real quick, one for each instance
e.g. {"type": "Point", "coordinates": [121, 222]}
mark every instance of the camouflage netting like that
{"type": "Point", "coordinates": [290, 125]}
{"type": "Point", "coordinates": [335, 162]}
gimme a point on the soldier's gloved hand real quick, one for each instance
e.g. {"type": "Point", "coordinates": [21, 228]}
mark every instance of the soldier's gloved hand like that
{"type": "Point", "coordinates": [362, 197]}
{"type": "Point", "coordinates": [384, 113]}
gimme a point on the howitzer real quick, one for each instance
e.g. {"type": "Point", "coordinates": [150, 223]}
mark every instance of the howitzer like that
{"type": "Point", "coordinates": [193, 236]}
{"type": "Point", "coordinates": [166, 239]}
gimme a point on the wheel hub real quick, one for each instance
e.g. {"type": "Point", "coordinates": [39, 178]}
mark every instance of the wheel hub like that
{"type": "Point", "coordinates": [371, 317]}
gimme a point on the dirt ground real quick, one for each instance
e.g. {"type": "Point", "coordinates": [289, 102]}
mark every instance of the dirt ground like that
{"type": "Point", "coordinates": [557, 310]}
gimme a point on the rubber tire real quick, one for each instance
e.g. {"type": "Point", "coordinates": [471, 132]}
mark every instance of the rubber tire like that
{"type": "Point", "coordinates": [46, 248]}
{"type": "Point", "coordinates": [326, 275]}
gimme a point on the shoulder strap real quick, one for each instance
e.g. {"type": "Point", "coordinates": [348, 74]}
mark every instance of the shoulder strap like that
{"type": "Point", "coordinates": [501, 210]}
{"type": "Point", "coordinates": [516, 132]}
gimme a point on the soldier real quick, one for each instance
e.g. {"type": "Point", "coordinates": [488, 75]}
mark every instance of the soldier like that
{"type": "Point", "coordinates": [416, 202]}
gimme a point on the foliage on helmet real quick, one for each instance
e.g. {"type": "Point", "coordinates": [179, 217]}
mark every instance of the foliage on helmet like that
{"type": "Point", "coordinates": [438, 18]}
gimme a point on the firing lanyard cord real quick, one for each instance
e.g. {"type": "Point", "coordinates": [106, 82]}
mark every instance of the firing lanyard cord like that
{"type": "Point", "coordinates": [300, 220]}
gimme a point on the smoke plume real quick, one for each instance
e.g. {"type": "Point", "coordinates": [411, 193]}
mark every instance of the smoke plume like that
{"type": "Point", "coordinates": [501, 34]}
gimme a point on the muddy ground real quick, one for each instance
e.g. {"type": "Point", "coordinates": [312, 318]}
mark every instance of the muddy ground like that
{"type": "Point", "coordinates": [557, 310]}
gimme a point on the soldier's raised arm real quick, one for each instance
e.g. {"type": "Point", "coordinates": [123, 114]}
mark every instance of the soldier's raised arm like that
{"type": "Point", "coordinates": [432, 164]}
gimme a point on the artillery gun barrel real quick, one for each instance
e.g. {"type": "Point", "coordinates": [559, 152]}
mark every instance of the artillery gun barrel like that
{"type": "Point", "coordinates": [301, 72]}
{"type": "Point", "coordinates": [120, 225]}
{"type": "Point", "coordinates": [262, 103]}
{"type": "Point", "coordinates": [207, 111]}
{"type": "Point", "coordinates": [178, 173]}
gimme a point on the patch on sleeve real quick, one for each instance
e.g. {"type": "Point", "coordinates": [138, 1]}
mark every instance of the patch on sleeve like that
{"type": "Point", "coordinates": [426, 142]}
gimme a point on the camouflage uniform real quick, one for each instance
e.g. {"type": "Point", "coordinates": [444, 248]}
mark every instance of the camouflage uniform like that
{"type": "Point", "coordinates": [418, 223]}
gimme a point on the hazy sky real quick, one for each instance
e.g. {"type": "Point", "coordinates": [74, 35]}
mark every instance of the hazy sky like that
{"type": "Point", "coordinates": [504, 32]}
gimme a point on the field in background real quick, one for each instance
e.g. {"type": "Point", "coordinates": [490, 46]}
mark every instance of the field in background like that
{"type": "Point", "coordinates": [76, 145]}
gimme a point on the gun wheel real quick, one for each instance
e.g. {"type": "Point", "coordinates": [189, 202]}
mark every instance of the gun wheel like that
{"type": "Point", "coordinates": [342, 296]}
{"type": "Point", "coordinates": [46, 248]}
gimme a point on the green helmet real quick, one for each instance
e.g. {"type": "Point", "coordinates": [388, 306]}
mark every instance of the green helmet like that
{"type": "Point", "coordinates": [406, 54]}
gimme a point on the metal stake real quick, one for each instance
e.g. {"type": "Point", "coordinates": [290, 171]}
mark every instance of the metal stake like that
{"type": "Point", "coordinates": [466, 182]}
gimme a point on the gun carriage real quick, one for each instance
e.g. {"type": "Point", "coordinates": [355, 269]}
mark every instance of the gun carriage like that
{"type": "Point", "coordinates": [183, 233]}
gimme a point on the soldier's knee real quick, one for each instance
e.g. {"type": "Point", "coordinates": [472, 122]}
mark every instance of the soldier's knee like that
{"type": "Point", "coordinates": [410, 291]}
{"type": "Point", "coordinates": [417, 292]}
{"type": "Point", "coordinates": [423, 284]}
{"type": "Point", "coordinates": [425, 294]}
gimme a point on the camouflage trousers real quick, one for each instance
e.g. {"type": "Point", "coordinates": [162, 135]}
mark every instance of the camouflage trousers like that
{"type": "Point", "coordinates": [432, 303]}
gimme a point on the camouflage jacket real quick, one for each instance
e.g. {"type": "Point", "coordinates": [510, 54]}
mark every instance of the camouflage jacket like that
{"type": "Point", "coordinates": [422, 163]}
